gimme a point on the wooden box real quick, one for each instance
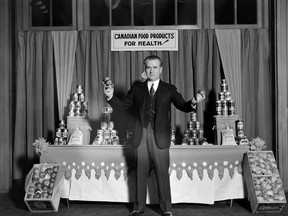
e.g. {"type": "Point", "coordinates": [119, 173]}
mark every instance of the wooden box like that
{"type": "Point", "coordinates": [264, 186]}
{"type": "Point", "coordinates": [221, 123]}
{"type": "Point", "coordinates": [42, 189]}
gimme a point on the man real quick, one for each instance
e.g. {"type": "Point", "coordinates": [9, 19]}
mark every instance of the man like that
{"type": "Point", "coordinates": [152, 99]}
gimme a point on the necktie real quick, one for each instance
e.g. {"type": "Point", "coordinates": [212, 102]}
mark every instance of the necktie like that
{"type": "Point", "coordinates": [152, 91]}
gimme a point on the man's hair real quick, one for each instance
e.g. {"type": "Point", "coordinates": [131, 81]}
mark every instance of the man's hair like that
{"type": "Point", "coordinates": [152, 57]}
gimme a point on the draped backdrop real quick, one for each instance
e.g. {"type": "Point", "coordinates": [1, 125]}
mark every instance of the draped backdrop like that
{"type": "Point", "coordinates": [51, 64]}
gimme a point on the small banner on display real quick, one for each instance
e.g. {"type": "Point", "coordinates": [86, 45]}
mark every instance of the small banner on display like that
{"type": "Point", "coordinates": [139, 40]}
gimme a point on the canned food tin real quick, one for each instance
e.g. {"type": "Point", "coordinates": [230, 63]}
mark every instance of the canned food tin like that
{"type": "Point", "coordinates": [110, 125]}
{"type": "Point", "coordinates": [104, 125]}
{"type": "Point", "coordinates": [79, 89]}
{"type": "Point", "coordinates": [193, 116]}
{"type": "Point", "coordinates": [197, 125]}
{"type": "Point", "coordinates": [228, 96]}
{"type": "Point", "coordinates": [58, 133]}
{"type": "Point", "coordinates": [107, 134]}
{"type": "Point", "coordinates": [231, 111]}
{"type": "Point", "coordinates": [81, 97]}
{"type": "Point", "coordinates": [75, 97]}
{"type": "Point", "coordinates": [72, 105]}
{"type": "Point", "coordinates": [100, 132]}
{"type": "Point", "coordinates": [194, 134]}
{"type": "Point", "coordinates": [218, 103]}
{"type": "Point", "coordinates": [221, 96]}
{"type": "Point", "coordinates": [190, 125]}
{"type": "Point", "coordinates": [113, 133]}
{"type": "Point", "coordinates": [219, 110]}
{"type": "Point", "coordinates": [239, 125]}
{"type": "Point", "coordinates": [240, 133]}
{"type": "Point", "coordinates": [225, 111]}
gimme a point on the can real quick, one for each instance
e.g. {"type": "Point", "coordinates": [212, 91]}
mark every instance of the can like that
{"type": "Point", "coordinates": [193, 116]}
{"type": "Point", "coordinates": [221, 95]}
{"type": "Point", "coordinates": [75, 97]}
{"type": "Point", "coordinates": [228, 96]}
{"type": "Point", "coordinates": [59, 133]}
{"type": "Point", "coordinates": [79, 89]}
{"type": "Point", "coordinates": [197, 125]}
{"type": "Point", "coordinates": [240, 133]}
{"type": "Point", "coordinates": [239, 125]}
{"type": "Point", "coordinates": [82, 97]}
{"type": "Point", "coordinates": [104, 125]}
{"type": "Point", "coordinates": [219, 110]}
{"type": "Point", "coordinates": [113, 133]}
{"type": "Point", "coordinates": [231, 110]}
{"type": "Point", "coordinates": [107, 134]}
{"type": "Point", "coordinates": [72, 105]}
{"type": "Point", "coordinates": [225, 111]}
{"type": "Point", "coordinates": [218, 103]}
{"type": "Point", "coordinates": [110, 125]}
{"type": "Point", "coordinates": [190, 125]}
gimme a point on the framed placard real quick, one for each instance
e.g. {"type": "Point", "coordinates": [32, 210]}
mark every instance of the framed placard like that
{"type": "Point", "coordinates": [139, 40]}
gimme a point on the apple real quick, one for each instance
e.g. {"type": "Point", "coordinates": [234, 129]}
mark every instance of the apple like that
{"type": "Point", "coordinates": [52, 179]}
{"type": "Point", "coordinates": [44, 188]}
{"type": "Point", "coordinates": [53, 174]}
{"type": "Point", "coordinates": [55, 169]}
{"type": "Point", "coordinates": [51, 185]}
{"type": "Point", "coordinates": [44, 194]}
{"type": "Point", "coordinates": [48, 171]}
{"type": "Point", "coordinates": [40, 180]}
{"type": "Point", "coordinates": [38, 185]}
{"type": "Point", "coordinates": [35, 177]}
{"type": "Point", "coordinates": [31, 189]}
{"type": "Point", "coordinates": [50, 191]}
{"type": "Point", "coordinates": [46, 182]}
{"type": "Point", "coordinates": [42, 174]}
{"type": "Point", "coordinates": [36, 170]}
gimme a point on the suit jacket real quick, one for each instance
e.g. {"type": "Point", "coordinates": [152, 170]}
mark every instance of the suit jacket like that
{"type": "Point", "coordinates": [166, 95]}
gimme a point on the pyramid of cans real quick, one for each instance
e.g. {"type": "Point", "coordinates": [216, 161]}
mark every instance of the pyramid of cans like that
{"type": "Point", "coordinates": [225, 105]}
{"type": "Point", "coordinates": [78, 106]}
{"type": "Point", "coordinates": [193, 135]}
{"type": "Point", "coordinates": [106, 135]}
{"type": "Point", "coordinates": [61, 134]}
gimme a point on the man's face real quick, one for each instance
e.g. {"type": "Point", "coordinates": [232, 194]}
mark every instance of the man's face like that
{"type": "Point", "coordinates": [153, 69]}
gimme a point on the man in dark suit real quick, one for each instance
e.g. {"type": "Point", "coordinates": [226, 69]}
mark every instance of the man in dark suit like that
{"type": "Point", "coordinates": [152, 136]}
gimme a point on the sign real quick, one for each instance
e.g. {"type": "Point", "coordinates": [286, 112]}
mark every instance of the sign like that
{"type": "Point", "coordinates": [139, 40]}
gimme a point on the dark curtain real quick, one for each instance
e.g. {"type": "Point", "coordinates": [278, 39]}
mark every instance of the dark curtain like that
{"type": "Point", "coordinates": [36, 110]}
{"type": "Point", "coordinates": [196, 65]}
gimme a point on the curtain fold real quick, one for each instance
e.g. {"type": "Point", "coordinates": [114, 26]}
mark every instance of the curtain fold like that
{"type": "Point", "coordinates": [229, 41]}
{"type": "Point", "coordinates": [34, 102]}
{"type": "Point", "coordinates": [64, 53]}
{"type": "Point", "coordinates": [257, 88]}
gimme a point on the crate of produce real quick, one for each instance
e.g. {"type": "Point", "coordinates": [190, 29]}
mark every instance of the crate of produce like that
{"type": "Point", "coordinates": [265, 188]}
{"type": "Point", "coordinates": [42, 188]}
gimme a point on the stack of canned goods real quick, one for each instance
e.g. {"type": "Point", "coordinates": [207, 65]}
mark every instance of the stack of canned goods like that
{"type": "Point", "coordinates": [193, 135]}
{"type": "Point", "coordinates": [107, 135]}
{"type": "Point", "coordinates": [240, 136]}
{"type": "Point", "coordinates": [78, 106]}
{"type": "Point", "coordinates": [61, 134]}
{"type": "Point", "coordinates": [225, 105]}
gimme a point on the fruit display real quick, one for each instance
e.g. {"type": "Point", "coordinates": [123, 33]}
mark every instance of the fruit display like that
{"type": "Point", "coordinates": [42, 182]}
{"type": "Point", "coordinates": [265, 188]}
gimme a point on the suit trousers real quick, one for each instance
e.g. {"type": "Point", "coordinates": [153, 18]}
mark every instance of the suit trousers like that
{"type": "Point", "coordinates": [150, 156]}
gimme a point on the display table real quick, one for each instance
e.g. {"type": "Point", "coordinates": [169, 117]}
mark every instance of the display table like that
{"type": "Point", "coordinates": [198, 174]}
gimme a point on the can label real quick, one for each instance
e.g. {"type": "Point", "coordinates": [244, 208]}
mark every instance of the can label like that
{"type": "Point", "coordinates": [104, 125]}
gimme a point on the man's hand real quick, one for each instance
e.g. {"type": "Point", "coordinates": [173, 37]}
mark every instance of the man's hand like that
{"type": "Point", "coordinates": [109, 91]}
{"type": "Point", "coordinates": [200, 96]}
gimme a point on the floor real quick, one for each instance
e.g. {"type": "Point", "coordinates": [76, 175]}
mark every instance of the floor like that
{"type": "Point", "coordinates": [13, 204]}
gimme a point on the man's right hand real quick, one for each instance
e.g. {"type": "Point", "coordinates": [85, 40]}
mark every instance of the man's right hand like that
{"type": "Point", "coordinates": [108, 91]}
